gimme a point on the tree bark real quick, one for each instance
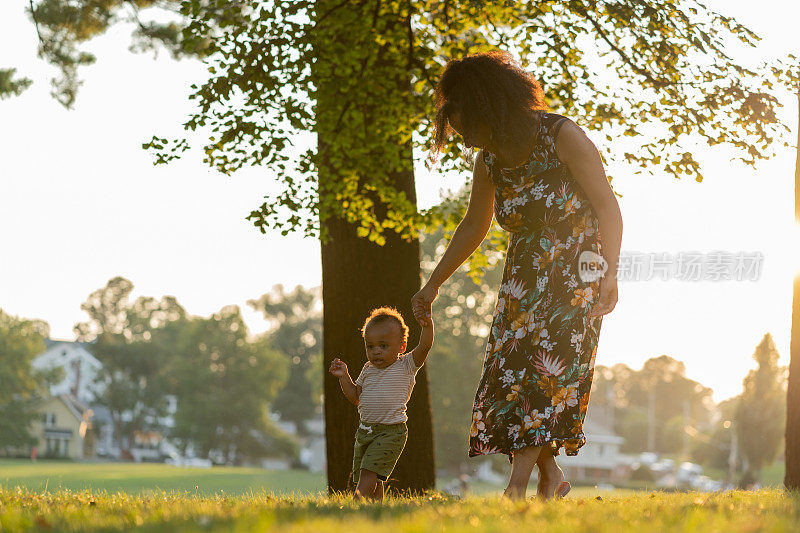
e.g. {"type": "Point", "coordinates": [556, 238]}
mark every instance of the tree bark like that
{"type": "Point", "coordinates": [357, 274]}
{"type": "Point", "coordinates": [792, 476]}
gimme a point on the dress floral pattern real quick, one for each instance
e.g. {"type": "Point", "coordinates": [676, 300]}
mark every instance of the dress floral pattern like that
{"type": "Point", "coordinates": [539, 360]}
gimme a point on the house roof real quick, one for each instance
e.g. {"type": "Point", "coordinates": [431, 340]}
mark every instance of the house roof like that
{"type": "Point", "coordinates": [596, 428]}
{"type": "Point", "coordinates": [75, 406]}
{"type": "Point", "coordinates": [51, 342]}
{"type": "Point", "coordinates": [85, 347]}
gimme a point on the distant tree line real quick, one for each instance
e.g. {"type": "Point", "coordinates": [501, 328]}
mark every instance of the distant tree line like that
{"type": "Point", "coordinates": [227, 381]}
{"type": "Point", "coordinates": [224, 378]}
{"type": "Point", "coordinates": [21, 387]}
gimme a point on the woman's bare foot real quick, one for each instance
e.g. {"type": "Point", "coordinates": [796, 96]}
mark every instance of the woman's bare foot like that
{"type": "Point", "coordinates": [514, 492]}
{"type": "Point", "coordinates": [562, 490]}
{"type": "Point", "coordinates": [524, 459]}
{"type": "Point", "coordinates": [551, 477]}
{"type": "Point", "coordinates": [552, 484]}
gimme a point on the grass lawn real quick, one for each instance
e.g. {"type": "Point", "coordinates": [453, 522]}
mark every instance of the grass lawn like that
{"type": "Point", "coordinates": [144, 478]}
{"type": "Point", "coordinates": [771, 476]}
{"type": "Point", "coordinates": [153, 478]}
{"type": "Point", "coordinates": [771, 510]}
{"type": "Point", "coordinates": [54, 495]}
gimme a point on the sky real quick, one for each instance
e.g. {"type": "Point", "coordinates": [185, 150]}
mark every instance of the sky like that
{"type": "Point", "coordinates": [81, 203]}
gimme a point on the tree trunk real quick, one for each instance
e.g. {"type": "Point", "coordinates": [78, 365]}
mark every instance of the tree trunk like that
{"type": "Point", "coordinates": [357, 274]}
{"type": "Point", "coordinates": [792, 478]}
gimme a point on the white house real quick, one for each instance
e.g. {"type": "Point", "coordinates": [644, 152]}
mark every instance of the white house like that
{"type": "Point", "coordinates": [313, 453]}
{"type": "Point", "coordinates": [312, 445]}
{"type": "Point", "coordinates": [80, 368]}
{"type": "Point", "coordinates": [599, 460]}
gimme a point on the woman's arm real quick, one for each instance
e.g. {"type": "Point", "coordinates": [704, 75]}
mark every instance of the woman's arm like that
{"type": "Point", "coordinates": [468, 236]}
{"type": "Point", "coordinates": [473, 227]}
{"type": "Point", "coordinates": [581, 156]}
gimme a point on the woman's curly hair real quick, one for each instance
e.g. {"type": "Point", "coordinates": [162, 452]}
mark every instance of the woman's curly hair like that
{"type": "Point", "coordinates": [386, 314]}
{"type": "Point", "coordinates": [489, 88]}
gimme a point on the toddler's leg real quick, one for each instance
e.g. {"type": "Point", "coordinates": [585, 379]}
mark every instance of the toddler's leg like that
{"type": "Point", "coordinates": [367, 480]}
{"type": "Point", "coordinates": [378, 495]}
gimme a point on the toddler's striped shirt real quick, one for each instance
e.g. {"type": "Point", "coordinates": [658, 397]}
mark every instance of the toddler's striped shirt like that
{"type": "Point", "coordinates": [386, 391]}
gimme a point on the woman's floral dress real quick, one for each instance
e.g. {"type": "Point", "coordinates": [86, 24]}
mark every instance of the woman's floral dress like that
{"type": "Point", "coordinates": [540, 355]}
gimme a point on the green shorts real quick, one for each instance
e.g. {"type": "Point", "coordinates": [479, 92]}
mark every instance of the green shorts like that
{"type": "Point", "coordinates": [378, 448]}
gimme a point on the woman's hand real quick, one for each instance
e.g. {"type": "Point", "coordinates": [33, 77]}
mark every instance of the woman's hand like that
{"type": "Point", "coordinates": [608, 296]}
{"type": "Point", "coordinates": [421, 304]}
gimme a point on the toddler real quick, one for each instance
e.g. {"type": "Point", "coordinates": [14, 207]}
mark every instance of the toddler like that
{"type": "Point", "coordinates": [381, 393]}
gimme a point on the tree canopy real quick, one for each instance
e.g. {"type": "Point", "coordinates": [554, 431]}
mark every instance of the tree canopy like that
{"type": "Point", "coordinates": [659, 72]}
{"type": "Point", "coordinates": [295, 331]}
{"type": "Point", "coordinates": [22, 388]}
{"type": "Point", "coordinates": [222, 380]}
{"type": "Point", "coordinates": [132, 383]}
{"type": "Point", "coordinates": [224, 383]}
{"type": "Point", "coordinates": [761, 412]}
{"type": "Point", "coordinates": [656, 403]}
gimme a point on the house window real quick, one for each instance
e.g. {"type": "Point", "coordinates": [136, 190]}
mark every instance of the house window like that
{"type": "Point", "coordinates": [49, 419]}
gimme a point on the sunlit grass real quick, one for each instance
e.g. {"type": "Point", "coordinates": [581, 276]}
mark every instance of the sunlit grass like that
{"type": "Point", "coordinates": [125, 496]}
{"type": "Point", "coordinates": [769, 510]}
{"type": "Point", "coordinates": [145, 478]}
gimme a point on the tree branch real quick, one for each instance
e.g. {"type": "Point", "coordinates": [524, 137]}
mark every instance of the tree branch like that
{"type": "Point", "coordinates": [636, 68]}
{"type": "Point", "coordinates": [410, 31]}
{"type": "Point", "coordinates": [36, 22]}
{"type": "Point", "coordinates": [331, 10]}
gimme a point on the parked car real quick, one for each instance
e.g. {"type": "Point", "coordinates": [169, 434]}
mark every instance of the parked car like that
{"type": "Point", "coordinates": [195, 462]}
{"type": "Point", "coordinates": [647, 458]}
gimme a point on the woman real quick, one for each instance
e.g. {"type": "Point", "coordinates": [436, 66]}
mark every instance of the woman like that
{"type": "Point", "coordinates": [544, 181]}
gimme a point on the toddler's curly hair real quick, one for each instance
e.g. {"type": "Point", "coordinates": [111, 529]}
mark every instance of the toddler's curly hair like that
{"type": "Point", "coordinates": [386, 314]}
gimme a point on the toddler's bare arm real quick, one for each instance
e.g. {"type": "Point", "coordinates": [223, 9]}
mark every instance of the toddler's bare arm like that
{"type": "Point", "coordinates": [351, 390]}
{"type": "Point", "coordinates": [420, 353]}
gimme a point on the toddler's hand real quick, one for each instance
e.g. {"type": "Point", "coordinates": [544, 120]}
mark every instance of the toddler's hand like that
{"type": "Point", "coordinates": [338, 368]}
{"type": "Point", "coordinates": [421, 304]}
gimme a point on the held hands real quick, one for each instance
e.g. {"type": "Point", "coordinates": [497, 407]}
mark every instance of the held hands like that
{"type": "Point", "coordinates": [421, 304]}
{"type": "Point", "coordinates": [338, 368]}
{"type": "Point", "coordinates": [608, 296]}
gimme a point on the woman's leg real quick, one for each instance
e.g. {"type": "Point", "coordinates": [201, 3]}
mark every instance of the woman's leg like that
{"type": "Point", "coordinates": [521, 467]}
{"type": "Point", "coordinates": [550, 474]}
